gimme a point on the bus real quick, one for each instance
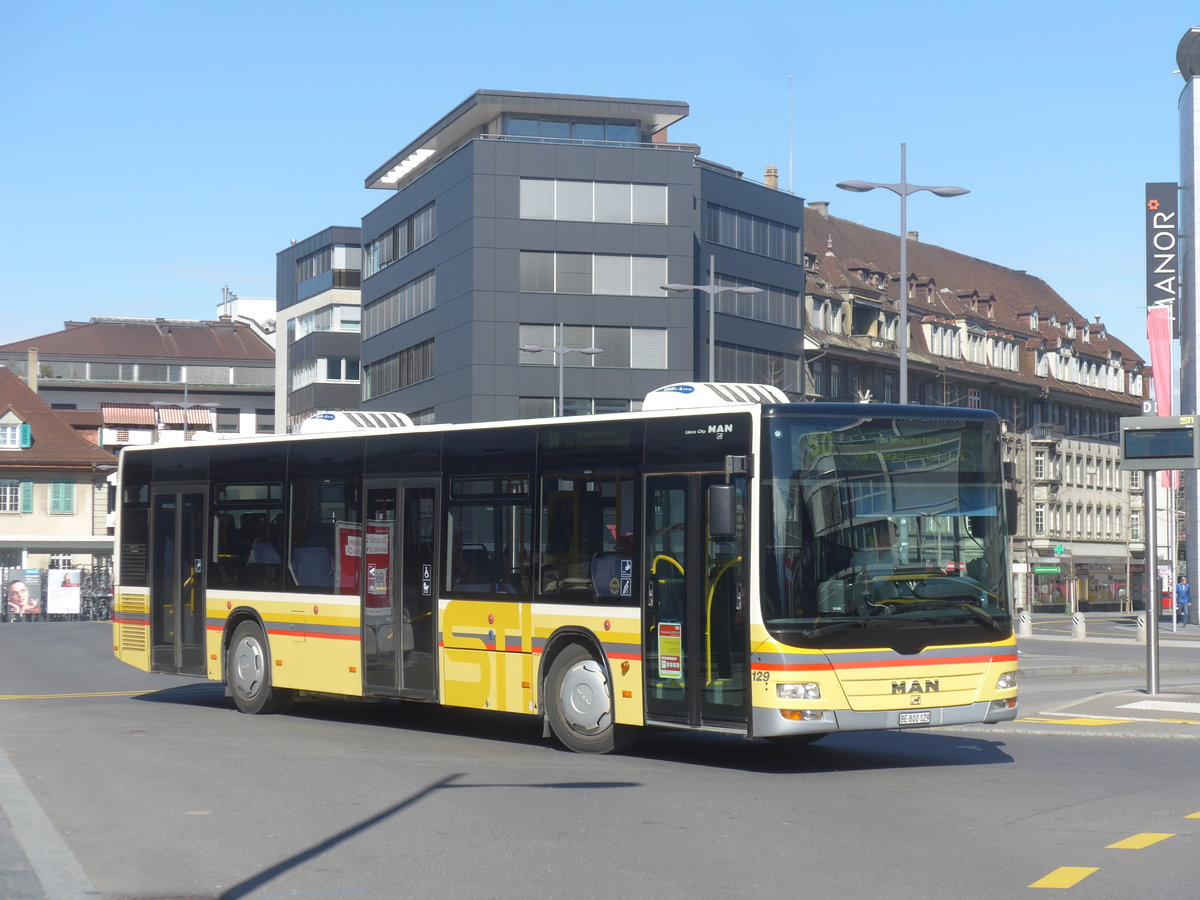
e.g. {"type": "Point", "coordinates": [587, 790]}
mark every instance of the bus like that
{"type": "Point", "coordinates": [721, 561]}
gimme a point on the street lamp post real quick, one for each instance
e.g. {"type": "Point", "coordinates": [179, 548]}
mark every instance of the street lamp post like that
{"type": "Point", "coordinates": [560, 350]}
{"type": "Point", "coordinates": [712, 290]}
{"type": "Point", "coordinates": [903, 189]}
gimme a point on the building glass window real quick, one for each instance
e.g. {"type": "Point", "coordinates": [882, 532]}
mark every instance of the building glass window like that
{"type": "Point", "coordinates": [623, 348]}
{"type": "Point", "coordinates": [10, 495]}
{"type": "Point", "coordinates": [410, 366]}
{"type": "Point", "coordinates": [585, 273]}
{"type": "Point", "coordinates": [406, 302]}
{"type": "Point", "coordinates": [228, 419]}
{"type": "Point", "coordinates": [399, 241]}
{"type": "Point", "coordinates": [754, 234]}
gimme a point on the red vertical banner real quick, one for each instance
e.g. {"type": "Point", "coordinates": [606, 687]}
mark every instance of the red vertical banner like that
{"type": "Point", "coordinates": [1158, 332]}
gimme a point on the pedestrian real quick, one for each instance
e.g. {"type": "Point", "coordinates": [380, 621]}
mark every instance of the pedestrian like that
{"type": "Point", "coordinates": [1183, 599]}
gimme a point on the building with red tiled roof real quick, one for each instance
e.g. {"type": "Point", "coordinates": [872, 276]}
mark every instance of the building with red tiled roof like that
{"type": "Point", "coordinates": [154, 379]}
{"type": "Point", "coordinates": [53, 488]}
{"type": "Point", "coordinates": [987, 336]}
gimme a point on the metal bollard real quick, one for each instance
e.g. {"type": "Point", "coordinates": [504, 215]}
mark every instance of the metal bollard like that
{"type": "Point", "coordinates": [1078, 627]}
{"type": "Point", "coordinates": [1140, 637]}
{"type": "Point", "coordinates": [1024, 623]}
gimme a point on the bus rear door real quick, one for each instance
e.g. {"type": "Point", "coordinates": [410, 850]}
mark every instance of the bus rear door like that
{"type": "Point", "coordinates": [177, 608]}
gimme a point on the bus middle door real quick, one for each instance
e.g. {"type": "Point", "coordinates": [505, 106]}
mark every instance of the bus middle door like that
{"type": "Point", "coordinates": [399, 611]}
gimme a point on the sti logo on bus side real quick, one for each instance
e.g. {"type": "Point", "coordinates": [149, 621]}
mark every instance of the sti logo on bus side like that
{"type": "Point", "coordinates": [915, 687]}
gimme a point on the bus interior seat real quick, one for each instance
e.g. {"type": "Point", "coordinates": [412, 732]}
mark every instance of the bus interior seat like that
{"type": "Point", "coordinates": [312, 566]}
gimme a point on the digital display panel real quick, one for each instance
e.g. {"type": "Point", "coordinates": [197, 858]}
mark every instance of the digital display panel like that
{"type": "Point", "coordinates": [1160, 443]}
{"type": "Point", "coordinates": [1151, 443]}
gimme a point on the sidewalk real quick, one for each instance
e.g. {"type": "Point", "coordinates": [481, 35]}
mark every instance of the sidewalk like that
{"type": "Point", "coordinates": [1110, 648]}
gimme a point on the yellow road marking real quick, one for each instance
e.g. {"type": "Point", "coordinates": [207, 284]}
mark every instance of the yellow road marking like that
{"type": "Point", "coordinates": [1195, 815]}
{"type": "Point", "coordinates": [1065, 877]}
{"type": "Point", "coordinates": [1179, 721]}
{"type": "Point", "coordinates": [1079, 721]}
{"type": "Point", "coordinates": [1140, 841]}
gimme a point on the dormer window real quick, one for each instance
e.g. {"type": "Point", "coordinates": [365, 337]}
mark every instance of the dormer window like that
{"type": "Point", "coordinates": [1033, 320]}
{"type": "Point", "coordinates": [14, 434]}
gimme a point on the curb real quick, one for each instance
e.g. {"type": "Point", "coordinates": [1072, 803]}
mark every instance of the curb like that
{"type": "Point", "coordinates": [1036, 671]}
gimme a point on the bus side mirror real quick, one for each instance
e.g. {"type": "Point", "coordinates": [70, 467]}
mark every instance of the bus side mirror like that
{"type": "Point", "coordinates": [722, 513]}
{"type": "Point", "coordinates": [1010, 511]}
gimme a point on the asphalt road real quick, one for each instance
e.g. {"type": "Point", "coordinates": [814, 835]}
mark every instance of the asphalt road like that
{"type": "Point", "coordinates": [119, 784]}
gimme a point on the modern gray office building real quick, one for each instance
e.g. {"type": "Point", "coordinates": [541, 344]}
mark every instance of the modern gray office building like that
{"type": "Point", "coordinates": [317, 322]}
{"type": "Point", "coordinates": [524, 220]}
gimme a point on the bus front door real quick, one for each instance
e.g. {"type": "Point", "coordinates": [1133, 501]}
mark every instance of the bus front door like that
{"type": "Point", "coordinates": [177, 611]}
{"type": "Point", "coordinates": [399, 605]}
{"type": "Point", "coordinates": [695, 622]}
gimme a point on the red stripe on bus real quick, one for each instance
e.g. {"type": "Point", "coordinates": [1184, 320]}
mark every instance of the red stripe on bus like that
{"type": "Point", "coordinates": [314, 634]}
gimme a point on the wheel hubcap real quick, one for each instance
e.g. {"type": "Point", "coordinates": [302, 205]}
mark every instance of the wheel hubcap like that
{"type": "Point", "coordinates": [248, 667]}
{"type": "Point", "coordinates": [584, 697]}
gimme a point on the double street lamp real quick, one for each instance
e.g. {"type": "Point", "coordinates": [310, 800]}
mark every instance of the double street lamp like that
{"type": "Point", "coordinates": [903, 189]}
{"type": "Point", "coordinates": [712, 290]}
{"type": "Point", "coordinates": [560, 350]}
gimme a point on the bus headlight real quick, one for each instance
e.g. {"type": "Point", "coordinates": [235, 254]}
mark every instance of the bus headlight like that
{"type": "Point", "coordinates": [808, 690]}
{"type": "Point", "coordinates": [1007, 681]}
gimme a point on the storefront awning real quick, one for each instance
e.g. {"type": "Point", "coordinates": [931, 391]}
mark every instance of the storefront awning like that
{"type": "Point", "coordinates": [127, 414]}
{"type": "Point", "coordinates": [198, 416]}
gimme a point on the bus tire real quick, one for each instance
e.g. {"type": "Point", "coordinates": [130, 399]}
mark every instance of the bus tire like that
{"type": "Point", "coordinates": [579, 702]}
{"type": "Point", "coordinates": [248, 670]}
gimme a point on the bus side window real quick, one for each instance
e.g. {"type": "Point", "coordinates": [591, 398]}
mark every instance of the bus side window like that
{"type": "Point", "coordinates": [587, 536]}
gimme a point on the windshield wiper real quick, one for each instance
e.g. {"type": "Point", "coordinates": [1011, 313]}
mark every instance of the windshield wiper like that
{"type": "Point", "coordinates": [834, 627]}
{"type": "Point", "coordinates": [978, 614]}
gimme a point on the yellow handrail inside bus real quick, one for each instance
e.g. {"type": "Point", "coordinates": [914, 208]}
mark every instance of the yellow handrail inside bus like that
{"type": "Point", "coordinates": [654, 565]}
{"type": "Point", "coordinates": [708, 618]}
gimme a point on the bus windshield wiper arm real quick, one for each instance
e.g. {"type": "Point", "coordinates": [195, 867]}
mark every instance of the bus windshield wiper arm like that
{"type": "Point", "coordinates": [975, 612]}
{"type": "Point", "coordinates": [833, 627]}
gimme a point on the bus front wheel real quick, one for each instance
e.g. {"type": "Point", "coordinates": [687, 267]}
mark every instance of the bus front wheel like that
{"type": "Point", "coordinates": [248, 669]}
{"type": "Point", "coordinates": [579, 702]}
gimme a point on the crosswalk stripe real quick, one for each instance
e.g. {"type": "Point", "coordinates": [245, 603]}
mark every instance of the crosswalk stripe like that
{"type": "Point", "coordinates": [1140, 841]}
{"type": "Point", "coordinates": [1065, 877]}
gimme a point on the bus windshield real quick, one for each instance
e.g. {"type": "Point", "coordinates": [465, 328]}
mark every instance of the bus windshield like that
{"type": "Point", "coordinates": [884, 531]}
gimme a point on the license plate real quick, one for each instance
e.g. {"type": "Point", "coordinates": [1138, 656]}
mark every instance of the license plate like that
{"type": "Point", "coordinates": [924, 717]}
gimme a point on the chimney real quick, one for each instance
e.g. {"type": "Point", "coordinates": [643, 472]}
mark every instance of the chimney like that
{"type": "Point", "coordinates": [31, 369]}
{"type": "Point", "coordinates": [914, 236]}
{"type": "Point", "coordinates": [772, 178]}
{"type": "Point", "coordinates": [821, 206]}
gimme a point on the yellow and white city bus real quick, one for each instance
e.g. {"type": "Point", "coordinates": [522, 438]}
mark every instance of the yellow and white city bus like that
{"type": "Point", "coordinates": [722, 561]}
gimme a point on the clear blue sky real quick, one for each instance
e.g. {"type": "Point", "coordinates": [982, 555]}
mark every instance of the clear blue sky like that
{"type": "Point", "coordinates": [153, 152]}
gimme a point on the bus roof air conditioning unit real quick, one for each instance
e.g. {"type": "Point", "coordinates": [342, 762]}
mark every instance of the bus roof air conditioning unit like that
{"type": "Point", "coordinates": [688, 394]}
{"type": "Point", "coordinates": [353, 420]}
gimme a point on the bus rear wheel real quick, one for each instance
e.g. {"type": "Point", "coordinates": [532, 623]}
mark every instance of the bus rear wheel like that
{"type": "Point", "coordinates": [579, 702]}
{"type": "Point", "coordinates": [248, 669]}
